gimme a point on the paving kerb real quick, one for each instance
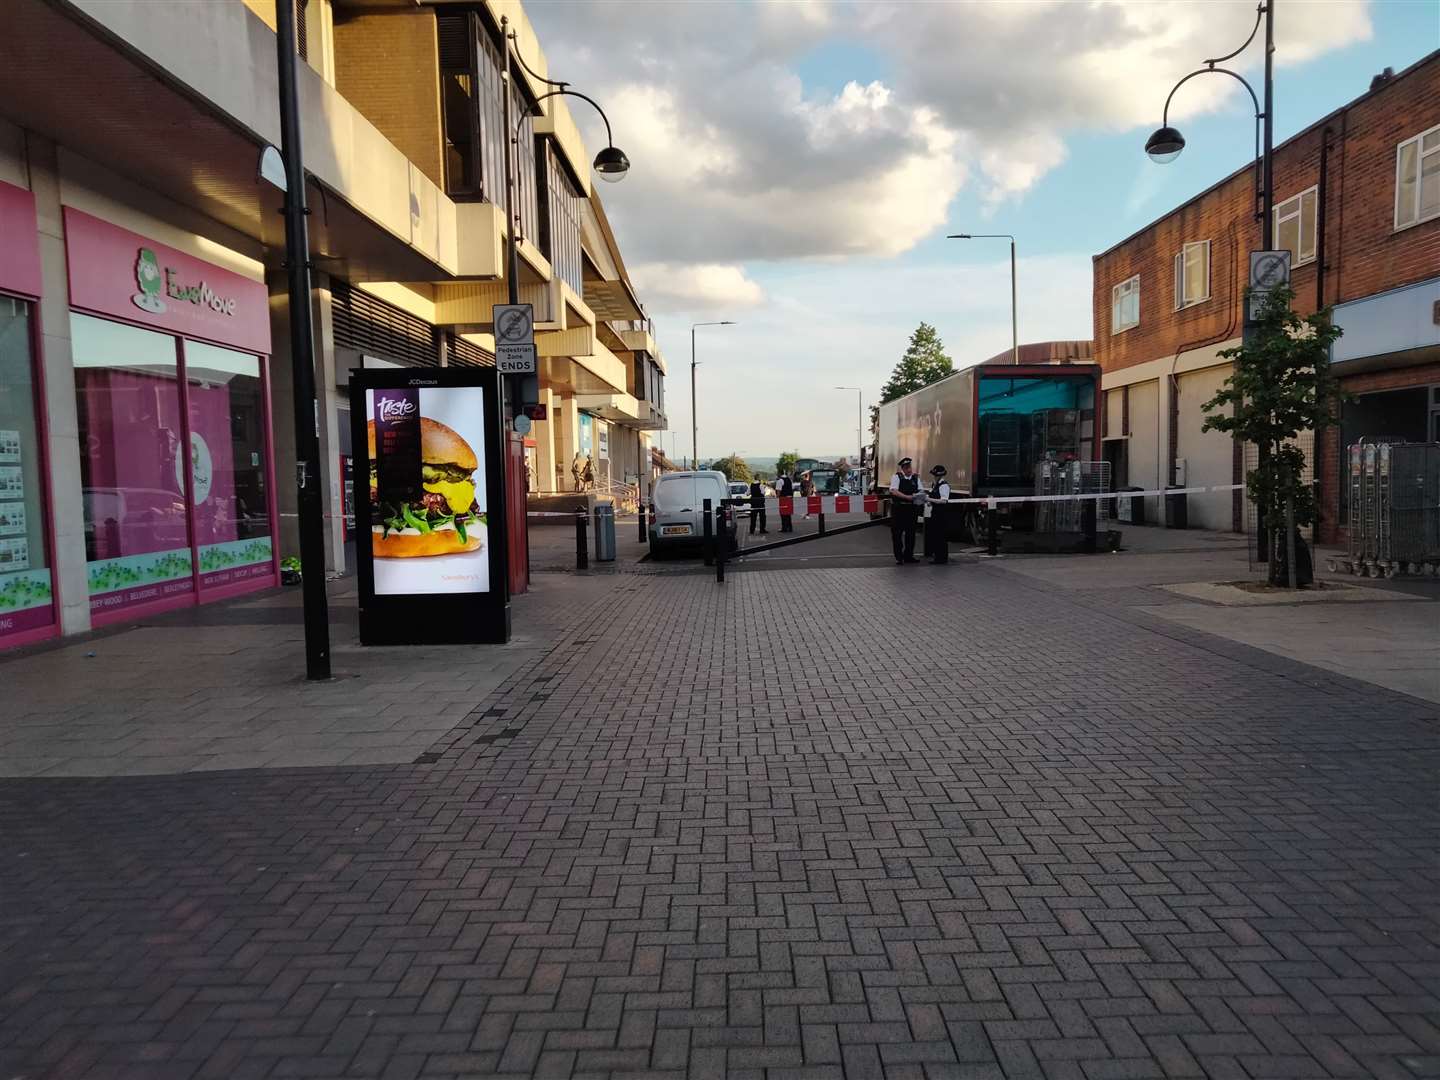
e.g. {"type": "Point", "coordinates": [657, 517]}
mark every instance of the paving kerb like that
{"type": "Point", "coordinates": [1105, 848]}
{"type": "Point", "coordinates": [223, 688]}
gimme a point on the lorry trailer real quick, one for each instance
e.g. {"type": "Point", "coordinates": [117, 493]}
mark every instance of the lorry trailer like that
{"type": "Point", "coordinates": [990, 426]}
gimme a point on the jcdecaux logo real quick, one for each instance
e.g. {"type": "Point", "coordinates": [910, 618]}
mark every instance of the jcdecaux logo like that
{"type": "Point", "coordinates": [154, 285]}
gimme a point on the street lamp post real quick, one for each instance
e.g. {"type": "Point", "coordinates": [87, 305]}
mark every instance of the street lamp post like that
{"type": "Point", "coordinates": [1014, 318]}
{"type": "Point", "coordinates": [302, 359]}
{"type": "Point", "coordinates": [611, 164]}
{"type": "Point", "coordinates": [694, 419]}
{"type": "Point", "coordinates": [859, 423]}
{"type": "Point", "coordinates": [1165, 143]}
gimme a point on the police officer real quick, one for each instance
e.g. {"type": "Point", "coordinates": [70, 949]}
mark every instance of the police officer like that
{"type": "Point", "coordinates": [785, 489]}
{"type": "Point", "coordinates": [904, 486]}
{"type": "Point", "coordinates": [937, 545]}
{"type": "Point", "coordinates": [757, 507]}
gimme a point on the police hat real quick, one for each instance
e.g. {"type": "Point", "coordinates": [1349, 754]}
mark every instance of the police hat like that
{"type": "Point", "coordinates": [905, 461]}
{"type": "Point", "coordinates": [938, 470]}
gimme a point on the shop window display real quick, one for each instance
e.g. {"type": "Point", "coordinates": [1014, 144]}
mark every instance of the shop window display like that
{"type": "Point", "coordinates": [26, 590]}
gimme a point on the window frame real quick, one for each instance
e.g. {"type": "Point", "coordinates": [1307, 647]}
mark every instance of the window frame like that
{"type": "Point", "coordinates": [1296, 257]}
{"type": "Point", "coordinates": [1115, 296]}
{"type": "Point", "coordinates": [1421, 153]}
{"type": "Point", "coordinates": [1181, 303]}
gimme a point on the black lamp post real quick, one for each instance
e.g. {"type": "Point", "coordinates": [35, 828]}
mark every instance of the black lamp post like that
{"type": "Point", "coordinates": [694, 419]}
{"type": "Point", "coordinates": [610, 163]}
{"type": "Point", "coordinates": [1165, 144]}
{"type": "Point", "coordinates": [302, 358]}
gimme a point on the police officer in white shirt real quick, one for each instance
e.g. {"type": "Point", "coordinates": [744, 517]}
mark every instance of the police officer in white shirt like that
{"type": "Point", "coordinates": [904, 486]}
{"type": "Point", "coordinates": [937, 545]}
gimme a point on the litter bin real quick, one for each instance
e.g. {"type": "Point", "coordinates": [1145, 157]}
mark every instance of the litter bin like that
{"type": "Point", "coordinates": [1176, 516]}
{"type": "Point", "coordinates": [604, 532]}
{"type": "Point", "coordinates": [1131, 507]}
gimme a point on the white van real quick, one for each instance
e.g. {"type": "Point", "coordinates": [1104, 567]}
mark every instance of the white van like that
{"type": "Point", "coordinates": [679, 499]}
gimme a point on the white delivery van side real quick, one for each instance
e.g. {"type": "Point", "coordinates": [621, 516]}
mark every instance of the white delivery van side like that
{"type": "Point", "coordinates": [679, 499]}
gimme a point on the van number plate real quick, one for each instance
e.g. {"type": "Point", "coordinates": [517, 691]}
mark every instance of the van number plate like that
{"type": "Point", "coordinates": [674, 530]}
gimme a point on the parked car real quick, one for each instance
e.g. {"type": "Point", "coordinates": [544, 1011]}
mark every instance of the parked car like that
{"type": "Point", "coordinates": [739, 489]}
{"type": "Point", "coordinates": [679, 499]}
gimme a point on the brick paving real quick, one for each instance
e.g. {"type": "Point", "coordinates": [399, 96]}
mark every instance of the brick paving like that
{"type": "Point", "coordinates": [1084, 843]}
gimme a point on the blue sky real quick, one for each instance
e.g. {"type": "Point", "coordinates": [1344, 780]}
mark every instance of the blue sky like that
{"type": "Point", "coordinates": [801, 179]}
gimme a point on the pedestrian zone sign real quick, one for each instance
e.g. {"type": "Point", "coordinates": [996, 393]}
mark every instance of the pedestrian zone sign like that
{"type": "Point", "coordinates": [1268, 270]}
{"type": "Point", "coordinates": [514, 339]}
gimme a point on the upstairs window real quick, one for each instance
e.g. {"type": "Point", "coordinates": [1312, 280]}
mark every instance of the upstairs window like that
{"type": "Point", "coordinates": [1125, 305]}
{"type": "Point", "coordinates": [1417, 179]}
{"type": "Point", "coordinates": [1295, 227]}
{"type": "Point", "coordinates": [560, 222]}
{"type": "Point", "coordinates": [1192, 274]}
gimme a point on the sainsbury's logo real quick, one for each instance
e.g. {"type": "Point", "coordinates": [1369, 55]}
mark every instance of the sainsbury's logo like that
{"type": "Point", "coordinates": [396, 408]}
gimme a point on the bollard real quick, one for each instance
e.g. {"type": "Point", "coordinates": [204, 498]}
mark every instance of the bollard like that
{"type": "Point", "coordinates": [582, 551]}
{"type": "Point", "coordinates": [720, 544]}
{"type": "Point", "coordinates": [822, 523]}
{"type": "Point", "coordinates": [708, 527]}
{"type": "Point", "coordinates": [644, 533]}
{"type": "Point", "coordinates": [1088, 514]}
{"type": "Point", "coordinates": [992, 531]}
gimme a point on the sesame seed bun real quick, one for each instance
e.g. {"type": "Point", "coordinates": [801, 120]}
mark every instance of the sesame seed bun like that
{"type": "Point", "coordinates": [439, 445]}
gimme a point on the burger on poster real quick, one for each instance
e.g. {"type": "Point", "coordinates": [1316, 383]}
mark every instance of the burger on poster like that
{"type": "Point", "coordinates": [445, 519]}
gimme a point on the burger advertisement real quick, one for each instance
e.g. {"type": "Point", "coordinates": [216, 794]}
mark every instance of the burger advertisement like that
{"type": "Point", "coordinates": [429, 531]}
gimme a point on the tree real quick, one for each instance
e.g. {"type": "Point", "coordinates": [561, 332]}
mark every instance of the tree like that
{"type": "Point", "coordinates": [1282, 385]}
{"type": "Point", "coordinates": [924, 362]}
{"type": "Point", "coordinates": [785, 463]}
{"type": "Point", "coordinates": [733, 466]}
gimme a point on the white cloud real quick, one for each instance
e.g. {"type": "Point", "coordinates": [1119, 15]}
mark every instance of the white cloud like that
{"type": "Point", "coordinates": [696, 287]}
{"type": "Point", "coordinates": [766, 383]}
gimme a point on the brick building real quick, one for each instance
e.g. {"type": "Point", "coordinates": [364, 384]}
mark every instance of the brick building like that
{"type": "Point", "coordinates": [1357, 202]}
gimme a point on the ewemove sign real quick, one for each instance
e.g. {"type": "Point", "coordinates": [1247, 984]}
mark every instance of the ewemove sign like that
{"type": "Point", "coordinates": [122, 274]}
{"type": "Point", "coordinates": [430, 541]}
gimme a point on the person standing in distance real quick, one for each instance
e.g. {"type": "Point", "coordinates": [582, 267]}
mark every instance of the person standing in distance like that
{"type": "Point", "coordinates": [785, 489]}
{"type": "Point", "coordinates": [757, 506]}
{"type": "Point", "coordinates": [937, 545]}
{"type": "Point", "coordinates": [904, 486]}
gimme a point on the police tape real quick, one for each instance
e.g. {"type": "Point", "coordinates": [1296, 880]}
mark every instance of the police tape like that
{"type": "Point", "coordinates": [870, 504]}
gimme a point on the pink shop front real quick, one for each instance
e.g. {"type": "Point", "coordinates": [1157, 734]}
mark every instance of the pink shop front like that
{"type": "Point", "coordinates": [172, 405]}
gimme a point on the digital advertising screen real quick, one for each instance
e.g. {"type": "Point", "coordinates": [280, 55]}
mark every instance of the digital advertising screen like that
{"type": "Point", "coordinates": [428, 525]}
{"type": "Point", "coordinates": [427, 476]}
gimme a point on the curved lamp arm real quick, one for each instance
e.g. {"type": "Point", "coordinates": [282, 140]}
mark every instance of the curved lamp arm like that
{"type": "Point", "coordinates": [609, 138]}
{"type": "Point", "coordinates": [554, 82]}
{"type": "Point", "coordinates": [1165, 118]}
{"type": "Point", "coordinates": [1259, 14]}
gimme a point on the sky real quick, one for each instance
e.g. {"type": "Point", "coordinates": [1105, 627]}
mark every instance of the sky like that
{"type": "Point", "coordinates": [796, 167]}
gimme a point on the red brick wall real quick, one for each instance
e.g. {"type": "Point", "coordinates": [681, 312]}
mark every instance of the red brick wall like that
{"type": "Point", "coordinates": [1363, 252]}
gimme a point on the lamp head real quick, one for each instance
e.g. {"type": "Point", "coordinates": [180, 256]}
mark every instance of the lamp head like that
{"type": "Point", "coordinates": [958, 236]}
{"type": "Point", "coordinates": [612, 164]}
{"type": "Point", "coordinates": [1164, 145]}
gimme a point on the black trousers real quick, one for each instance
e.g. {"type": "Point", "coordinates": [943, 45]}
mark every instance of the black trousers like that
{"type": "Point", "coordinates": [757, 514]}
{"type": "Point", "coordinates": [937, 545]}
{"type": "Point", "coordinates": [787, 523]}
{"type": "Point", "coordinates": [902, 533]}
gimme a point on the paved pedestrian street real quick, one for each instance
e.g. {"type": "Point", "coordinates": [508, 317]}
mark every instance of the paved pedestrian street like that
{"type": "Point", "coordinates": [855, 822]}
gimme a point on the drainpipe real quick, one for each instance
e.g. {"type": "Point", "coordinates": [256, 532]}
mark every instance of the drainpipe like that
{"type": "Point", "coordinates": [1320, 197]}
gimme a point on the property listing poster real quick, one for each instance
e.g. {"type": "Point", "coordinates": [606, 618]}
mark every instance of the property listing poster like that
{"type": "Point", "coordinates": [429, 528]}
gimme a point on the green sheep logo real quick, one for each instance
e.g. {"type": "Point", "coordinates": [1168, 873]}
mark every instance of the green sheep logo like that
{"type": "Point", "coordinates": [147, 277]}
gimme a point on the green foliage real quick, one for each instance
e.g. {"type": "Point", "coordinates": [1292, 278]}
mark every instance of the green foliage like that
{"type": "Point", "coordinates": [1281, 385]}
{"type": "Point", "coordinates": [733, 466]}
{"type": "Point", "coordinates": [785, 463]}
{"type": "Point", "coordinates": [924, 362]}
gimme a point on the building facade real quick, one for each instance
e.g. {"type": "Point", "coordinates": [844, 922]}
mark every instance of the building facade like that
{"type": "Point", "coordinates": [1357, 203]}
{"type": "Point", "coordinates": [146, 413]}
